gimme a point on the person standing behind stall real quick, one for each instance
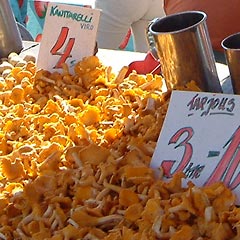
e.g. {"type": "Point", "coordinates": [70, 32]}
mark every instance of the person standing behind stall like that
{"type": "Point", "coordinates": [118, 16]}
{"type": "Point", "coordinates": [222, 18]}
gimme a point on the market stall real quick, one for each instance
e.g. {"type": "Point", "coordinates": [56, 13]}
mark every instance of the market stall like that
{"type": "Point", "coordinates": [76, 151]}
{"type": "Point", "coordinates": [75, 160]}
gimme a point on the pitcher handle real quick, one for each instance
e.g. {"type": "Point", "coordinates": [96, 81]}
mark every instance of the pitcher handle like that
{"type": "Point", "coordinates": [150, 39]}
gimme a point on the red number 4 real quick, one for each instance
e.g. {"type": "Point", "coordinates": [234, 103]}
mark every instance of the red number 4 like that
{"type": "Point", "coordinates": [56, 49]}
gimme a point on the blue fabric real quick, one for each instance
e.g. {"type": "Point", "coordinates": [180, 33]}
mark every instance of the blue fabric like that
{"type": "Point", "coordinates": [19, 10]}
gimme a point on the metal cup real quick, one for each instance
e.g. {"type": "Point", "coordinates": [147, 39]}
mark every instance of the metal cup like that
{"type": "Point", "coordinates": [231, 46]}
{"type": "Point", "coordinates": [10, 38]}
{"type": "Point", "coordinates": [183, 46]}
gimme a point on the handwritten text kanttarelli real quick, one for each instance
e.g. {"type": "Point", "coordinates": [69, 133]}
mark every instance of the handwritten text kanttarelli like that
{"type": "Point", "coordinates": [79, 17]}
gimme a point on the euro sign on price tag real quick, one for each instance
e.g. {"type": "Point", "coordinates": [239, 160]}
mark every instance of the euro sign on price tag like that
{"type": "Point", "coordinates": [201, 137]}
{"type": "Point", "coordinates": [69, 34]}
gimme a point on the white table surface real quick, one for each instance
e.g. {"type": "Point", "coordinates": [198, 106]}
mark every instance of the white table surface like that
{"type": "Point", "coordinates": [117, 59]}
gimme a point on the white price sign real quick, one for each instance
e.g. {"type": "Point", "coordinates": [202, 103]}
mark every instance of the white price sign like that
{"type": "Point", "coordinates": [201, 137]}
{"type": "Point", "coordinates": [69, 34]}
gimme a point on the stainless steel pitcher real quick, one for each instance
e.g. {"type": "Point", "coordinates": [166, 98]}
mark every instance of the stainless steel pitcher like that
{"type": "Point", "coordinates": [10, 38]}
{"type": "Point", "coordinates": [231, 46]}
{"type": "Point", "coordinates": [183, 46]}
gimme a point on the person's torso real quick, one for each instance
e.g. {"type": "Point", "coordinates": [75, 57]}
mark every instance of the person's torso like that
{"type": "Point", "coordinates": [222, 16]}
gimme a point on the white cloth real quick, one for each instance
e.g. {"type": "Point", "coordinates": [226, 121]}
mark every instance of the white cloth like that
{"type": "Point", "coordinates": [118, 16]}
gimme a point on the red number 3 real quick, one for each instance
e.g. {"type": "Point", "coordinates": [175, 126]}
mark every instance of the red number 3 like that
{"type": "Point", "coordinates": [188, 151]}
{"type": "Point", "coordinates": [56, 49]}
